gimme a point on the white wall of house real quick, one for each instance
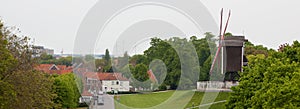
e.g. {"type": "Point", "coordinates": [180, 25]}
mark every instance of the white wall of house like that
{"type": "Point", "coordinates": [86, 99]}
{"type": "Point", "coordinates": [92, 84]}
{"type": "Point", "coordinates": [109, 85]}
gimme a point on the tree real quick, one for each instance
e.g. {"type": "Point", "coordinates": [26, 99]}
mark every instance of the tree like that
{"type": "Point", "coordinates": [269, 82]}
{"type": "Point", "coordinates": [121, 62]}
{"type": "Point", "coordinates": [180, 59]}
{"type": "Point", "coordinates": [7, 93]}
{"type": "Point", "coordinates": [138, 59]}
{"type": "Point", "coordinates": [107, 56]}
{"type": "Point", "coordinates": [21, 85]}
{"type": "Point", "coordinates": [66, 89]}
{"type": "Point", "coordinates": [140, 72]}
{"type": "Point", "coordinates": [126, 70]}
{"type": "Point", "coordinates": [251, 49]}
{"type": "Point", "coordinates": [100, 63]}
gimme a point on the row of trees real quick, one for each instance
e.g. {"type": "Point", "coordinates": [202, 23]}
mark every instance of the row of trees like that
{"type": "Point", "coordinates": [171, 60]}
{"type": "Point", "coordinates": [271, 80]}
{"type": "Point", "coordinates": [49, 59]}
{"type": "Point", "coordinates": [24, 87]}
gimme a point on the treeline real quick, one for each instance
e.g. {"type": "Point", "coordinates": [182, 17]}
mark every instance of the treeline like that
{"type": "Point", "coordinates": [22, 87]}
{"type": "Point", "coordinates": [49, 59]}
{"type": "Point", "coordinates": [171, 60]}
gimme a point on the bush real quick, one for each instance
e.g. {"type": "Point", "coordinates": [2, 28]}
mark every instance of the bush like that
{"type": "Point", "coordinates": [162, 87]}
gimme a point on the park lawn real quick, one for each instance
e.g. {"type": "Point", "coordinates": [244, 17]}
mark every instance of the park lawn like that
{"type": "Point", "coordinates": [144, 100]}
{"type": "Point", "coordinates": [221, 96]}
{"type": "Point", "coordinates": [153, 99]}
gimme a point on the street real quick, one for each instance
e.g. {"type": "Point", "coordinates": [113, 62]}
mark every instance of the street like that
{"type": "Point", "coordinates": [108, 103]}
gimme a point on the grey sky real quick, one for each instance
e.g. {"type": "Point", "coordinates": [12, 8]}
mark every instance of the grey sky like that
{"type": "Point", "coordinates": [54, 23]}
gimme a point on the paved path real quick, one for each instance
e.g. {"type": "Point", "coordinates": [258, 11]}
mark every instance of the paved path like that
{"type": "Point", "coordinates": [108, 103]}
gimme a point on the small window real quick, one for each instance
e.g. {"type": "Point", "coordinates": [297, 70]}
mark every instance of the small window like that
{"type": "Point", "coordinates": [121, 83]}
{"type": "Point", "coordinates": [112, 83]}
{"type": "Point", "coordinates": [117, 82]}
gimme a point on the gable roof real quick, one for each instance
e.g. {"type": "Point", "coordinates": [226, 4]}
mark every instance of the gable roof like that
{"type": "Point", "coordinates": [92, 75]}
{"type": "Point", "coordinates": [54, 69]}
{"type": "Point", "coordinates": [120, 77]}
{"type": "Point", "coordinates": [86, 93]}
{"type": "Point", "coordinates": [105, 76]}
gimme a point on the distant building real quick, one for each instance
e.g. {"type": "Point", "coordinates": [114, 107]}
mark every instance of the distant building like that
{"type": "Point", "coordinates": [113, 81]}
{"type": "Point", "coordinates": [85, 97]}
{"type": "Point", "coordinates": [106, 82]}
{"type": "Point", "coordinates": [54, 69]}
{"type": "Point", "coordinates": [38, 50]}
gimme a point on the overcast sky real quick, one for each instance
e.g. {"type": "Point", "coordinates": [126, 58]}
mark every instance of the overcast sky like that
{"type": "Point", "coordinates": [54, 23]}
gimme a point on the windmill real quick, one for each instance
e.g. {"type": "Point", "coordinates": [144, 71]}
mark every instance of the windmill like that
{"type": "Point", "coordinates": [220, 47]}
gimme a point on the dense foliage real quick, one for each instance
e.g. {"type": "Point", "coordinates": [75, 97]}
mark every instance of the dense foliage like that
{"type": "Point", "coordinates": [251, 49]}
{"type": "Point", "coordinates": [172, 60]}
{"type": "Point", "coordinates": [270, 82]}
{"type": "Point", "coordinates": [22, 87]}
{"type": "Point", "coordinates": [66, 89]}
{"type": "Point", "coordinates": [49, 59]}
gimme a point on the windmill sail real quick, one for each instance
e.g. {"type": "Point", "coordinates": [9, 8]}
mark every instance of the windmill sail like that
{"type": "Point", "coordinates": [220, 43]}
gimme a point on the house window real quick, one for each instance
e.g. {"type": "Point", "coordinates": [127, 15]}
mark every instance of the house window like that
{"type": "Point", "coordinates": [112, 83]}
{"type": "Point", "coordinates": [117, 82]}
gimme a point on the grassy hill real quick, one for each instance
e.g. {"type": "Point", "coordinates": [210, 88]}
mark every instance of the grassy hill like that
{"type": "Point", "coordinates": [171, 99]}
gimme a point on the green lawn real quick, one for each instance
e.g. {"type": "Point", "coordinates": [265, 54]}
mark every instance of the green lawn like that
{"type": "Point", "coordinates": [164, 100]}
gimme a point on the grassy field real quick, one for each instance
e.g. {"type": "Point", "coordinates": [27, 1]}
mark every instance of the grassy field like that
{"type": "Point", "coordinates": [164, 100]}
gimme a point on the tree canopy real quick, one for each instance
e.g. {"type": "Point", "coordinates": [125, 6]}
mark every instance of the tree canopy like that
{"type": "Point", "coordinates": [21, 85]}
{"type": "Point", "coordinates": [269, 82]}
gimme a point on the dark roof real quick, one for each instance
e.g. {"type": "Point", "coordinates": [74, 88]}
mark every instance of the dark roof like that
{"type": "Point", "coordinates": [234, 41]}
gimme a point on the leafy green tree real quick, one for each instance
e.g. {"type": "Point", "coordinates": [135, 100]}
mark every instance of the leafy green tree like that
{"type": "Point", "coordinates": [107, 56]}
{"type": "Point", "coordinates": [126, 70]}
{"type": "Point", "coordinates": [138, 59]}
{"type": "Point", "coordinates": [66, 89]}
{"type": "Point", "coordinates": [251, 49]}
{"type": "Point", "coordinates": [180, 59]}
{"type": "Point", "coordinates": [100, 63]}
{"type": "Point", "coordinates": [269, 82]}
{"type": "Point", "coordinates": [89, 58]}
{"type": "Point", "coordinates": [7, 93]}
{"type": "Point", "coordinates": [204, 70]}
{"type": "Point", "coordinates": [228, 34]}
{"type": "Point", "coordinates": [45, 56]}
{"type": "Point", "coordinates": [140, 72]}
{"type": "Point", "coordinates": [122, 62]}
{"type": "Point", "coordinates": [21, 85]}
{"type": "Point", "coordinates": [64, 61]}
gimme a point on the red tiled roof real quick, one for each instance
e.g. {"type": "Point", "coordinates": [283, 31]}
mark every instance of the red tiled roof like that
{"type": "Point", "coordinates": [92, 75]}
{"type": "Point", "coordinates": [62, 69]}
{"type": "Point", "coordinates": [105, 76]}
{"type": "Point", "coordinates": [112, 76]}
{"type": "Point", "coordinates": [86, 93]}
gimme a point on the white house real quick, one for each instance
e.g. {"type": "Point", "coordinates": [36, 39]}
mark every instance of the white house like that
{"type": "Point", "coordinates": [85, 97]}
{"type": "Point", "coordinates": [113, 81]}
{"type": "Point", "coordinates": [105, 82]}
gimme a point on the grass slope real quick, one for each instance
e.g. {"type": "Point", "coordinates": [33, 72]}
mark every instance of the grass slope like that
{"type": "Point", "coordinates": [157, 99]}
